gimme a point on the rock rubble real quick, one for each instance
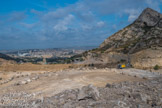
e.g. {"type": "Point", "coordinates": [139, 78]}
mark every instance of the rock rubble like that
{"type": "Point", "coordinates": [145, 94]}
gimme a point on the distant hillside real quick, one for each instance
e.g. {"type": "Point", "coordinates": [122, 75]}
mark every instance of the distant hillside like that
{"type": "Point", "coordinates": [139, 43]}
{"type": "Point", "coordinates": [4, 57]}
{"type": "Point", "coordinates": [141, 34]}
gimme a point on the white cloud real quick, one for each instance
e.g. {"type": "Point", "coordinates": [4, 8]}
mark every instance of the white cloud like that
{"type": "Point", "coordinates": [86, 27]}
{"type": "Point", "coordinates": [133, 14]}
{"type": "Point", "coordinates": [100, 24]}
{"type": "Point", "coordinates": [62, 24]}
{"type": "Point", "coordinates": [36, 12]}
{"type": "Point", "coordinates": [132, 17]}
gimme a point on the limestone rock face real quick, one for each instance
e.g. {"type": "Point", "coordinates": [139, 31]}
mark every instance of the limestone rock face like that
{"type": "Point", "coordinates": [160, 23]}
{"type": "Point", "coordinates": [144, 33]}
{"type": "Point", "coordinates": [150, 17]}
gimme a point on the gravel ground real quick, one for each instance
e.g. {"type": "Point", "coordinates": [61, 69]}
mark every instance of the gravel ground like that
{"type": "Point", "coordinates": [145, 94]}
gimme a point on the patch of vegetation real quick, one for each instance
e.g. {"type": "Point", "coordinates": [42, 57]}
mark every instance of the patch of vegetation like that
{"type": "Point", "coordinates": [33, 60]}
{"type": "Point", "coordinates": [151, 39]}
{"type": "Point", "coordinates": [104, 48]}
{"type": "Point", "coordinates": [130, 44]}
{"type": "Point", "coordinates": [78, 57]}
{"type": "Point", "coordinates": [102, 51]}
{"type": "Point", "coordinates": [58, 60]}
{"type": "Point", "coordinates": [0, 78]}
{"type": "Point", "coordinates": [84, 54]}
{"type": "Point", "coordinates": [91, 65]}
{"type": "Point", "coordinates": [125, 50]}
{"type": "Point", "coordinates": [124, 33]}
{"type": "Point", "coordinates": [156, 67]}
{"type": "Point", "coordinates": [122, 60]}
{"type": "Point", "coordinates": [94, 49]}
{"type": "Point", "coordinates": [6, 57]}
{"type": "Point", "coordinates": [65, 60]}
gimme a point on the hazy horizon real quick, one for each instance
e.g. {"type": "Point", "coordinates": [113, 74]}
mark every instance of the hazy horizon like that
{"type": "Point", "coordinates": [72, 47]}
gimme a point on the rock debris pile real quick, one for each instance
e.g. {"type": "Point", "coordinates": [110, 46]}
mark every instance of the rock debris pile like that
{"type": "Point", "coordinates": [145, 94]}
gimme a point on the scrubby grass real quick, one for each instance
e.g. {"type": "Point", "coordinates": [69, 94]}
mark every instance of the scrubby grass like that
{"type": "Point", "coordinates": [156, 67]}
{"type": "Point", "coordinates": [33, 67]}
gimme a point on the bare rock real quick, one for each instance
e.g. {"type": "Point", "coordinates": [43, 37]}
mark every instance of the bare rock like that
{"type": "Point", "coordinates": [150, 17]}
{"type": "Point", "coordinates": [88, 92]}
{"type": "Point", "coordinates": [28, 80]}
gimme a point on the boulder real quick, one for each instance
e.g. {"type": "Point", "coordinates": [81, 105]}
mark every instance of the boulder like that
{"type": "Point", "coordinates": [88, 92]}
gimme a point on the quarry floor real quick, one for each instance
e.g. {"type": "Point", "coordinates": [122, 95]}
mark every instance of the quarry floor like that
{"type": "Point", "coordinates": [48, 83]}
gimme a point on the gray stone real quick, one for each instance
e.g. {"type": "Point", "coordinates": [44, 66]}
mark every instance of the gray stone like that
{"type": "Point", "coordinates": [88, 92]}
{"type": "Point", "coordinates": [149, 17]}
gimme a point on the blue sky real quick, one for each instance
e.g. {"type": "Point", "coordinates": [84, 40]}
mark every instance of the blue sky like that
{"type": "Point", "coordinates": [26, 24]}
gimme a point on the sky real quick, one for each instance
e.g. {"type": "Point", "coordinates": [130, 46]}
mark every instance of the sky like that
{"type": "Point", "coordinates": [30, 24]}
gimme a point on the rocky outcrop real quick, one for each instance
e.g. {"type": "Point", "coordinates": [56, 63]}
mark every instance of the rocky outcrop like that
{"type": "Point", "coordinates": [147, 58]}
{"type": "Point", "coordinates": [144, 33]}
{"type": "Point", "coordinates": [89, 92]}
{"type": "Point", "coordinates": [146, 27]}
{"type": "Point", "coordinates": [150, 17]}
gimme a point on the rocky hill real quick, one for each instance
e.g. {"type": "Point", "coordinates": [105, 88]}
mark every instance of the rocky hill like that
{"type": "Point", "coordinates": [140, 43]}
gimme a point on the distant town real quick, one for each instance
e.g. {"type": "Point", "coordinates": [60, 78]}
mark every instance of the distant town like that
{"type": "Point", "coordinates": [46, 56]}
{"type": "Point", "coordinates": [47, 53]}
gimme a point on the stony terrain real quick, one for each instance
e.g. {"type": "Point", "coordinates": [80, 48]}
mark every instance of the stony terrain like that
{"type": "Point", "coordinates": [140, 43]}
{"type": "Point", "coordinates": [121, 95]}
{"type": "Point", "coordinates": [122, 91]}
{"type": "Point", "coordinates": [64, 88]}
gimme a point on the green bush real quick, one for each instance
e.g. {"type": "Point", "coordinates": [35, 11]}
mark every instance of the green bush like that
{"type": "Point", "coordinates": [122, 60]}
{"type": "Point", "coordinates": [156, 67]}
{"type": "Point", "coordinates": [0, 78]}
{"type": "Point", "coordinates": [102, 51]}
{"type": "Point", "coordinates": [81, 59]}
